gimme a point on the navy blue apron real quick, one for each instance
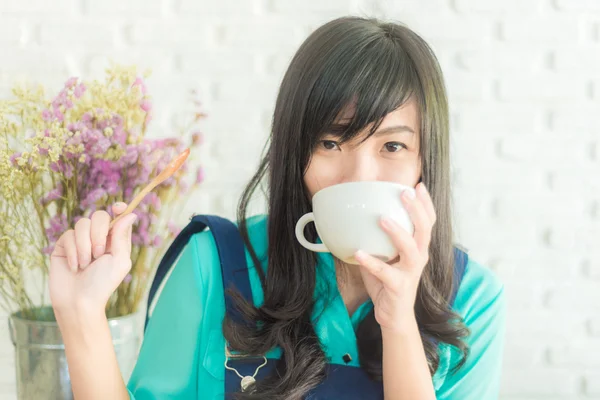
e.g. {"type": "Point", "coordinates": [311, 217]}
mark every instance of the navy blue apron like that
{"type": "Point", "coordinates": [343, 381]}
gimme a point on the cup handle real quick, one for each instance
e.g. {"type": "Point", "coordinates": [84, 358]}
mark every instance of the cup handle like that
{"type": "Point", "coordinates": [302, 222]}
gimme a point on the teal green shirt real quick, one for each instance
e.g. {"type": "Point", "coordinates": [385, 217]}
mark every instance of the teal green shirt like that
{"type": "Point", "coordinates": [182, 354]}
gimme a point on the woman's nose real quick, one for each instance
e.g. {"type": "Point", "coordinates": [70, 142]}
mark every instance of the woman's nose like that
{"type": "Point", "coordinates": [359, 168]}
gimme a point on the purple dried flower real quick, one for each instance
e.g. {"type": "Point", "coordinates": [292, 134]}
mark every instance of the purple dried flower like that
{"type": "Point", "coordinates": [173, 229]}
{"type": "Point", "coordinates": [13, 158]}
{"type": "Point", "coordinates": [53, 194]}
{"type": "Point", "coordinates": [79, 90]}
{"type": "Point", "coordinates": [68, 170]}
{"type": "Point", "coordinates": [146, 105]}
{"type": "Point", "coordinates": [58, 224]}
{"type": "Point", "coordinates": [58, 115]}
{"type": "Point", "coordinates": [157, 241]}
{"type": "Point", "coordinates": [47, 115]}
{"type": "Point", "coordinates": [140, 82]}
{"type": "Point", "coordinates": [71, 82]}
{"type": "Point", "coordinates": [48, 249]}
{"type": "Point", "coordinates": [92, 197]}
{"type": "Point", "coordinates": [199, 175]}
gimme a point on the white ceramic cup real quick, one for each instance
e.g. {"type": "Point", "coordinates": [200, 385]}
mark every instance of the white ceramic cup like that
{"type": "Point", "coordinates": [347, 217]}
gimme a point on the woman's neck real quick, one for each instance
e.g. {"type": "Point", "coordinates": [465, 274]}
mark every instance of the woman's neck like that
{"type": "Point", "coordinates": [350, 285]}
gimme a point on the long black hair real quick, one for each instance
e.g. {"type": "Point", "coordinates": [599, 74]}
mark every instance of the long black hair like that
{"type": "Point", "coordinates": [376, 66]}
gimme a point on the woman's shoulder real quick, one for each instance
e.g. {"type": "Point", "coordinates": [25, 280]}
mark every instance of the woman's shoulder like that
{"type": "Point", "coordinates": [481, 304]}
{"type": "Point", "coordinates": [480, 290]}
{"type": "Point", "coordinates": [480, 278]}
{"type": "Point", "coordinates": [205, 247]}
{"type": "Point", "coordinates": [207, 263]}
{"type": "Point", "coordinates": [257, 231]}
{"type": "Point", "coordinates": [198, 259]}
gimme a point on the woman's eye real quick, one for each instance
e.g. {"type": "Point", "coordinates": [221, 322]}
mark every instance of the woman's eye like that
{"type": "Point", "coordinates": [329, 144]}
{"type": "Point", "coordinates": [394, 147]}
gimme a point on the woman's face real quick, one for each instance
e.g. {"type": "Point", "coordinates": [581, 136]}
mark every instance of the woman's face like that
{"type": "Point", "coordinates": [391, 154]}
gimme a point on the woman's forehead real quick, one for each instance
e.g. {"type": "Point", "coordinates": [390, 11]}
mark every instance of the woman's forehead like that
{"type": "Point", "coordinates": [407, 114]}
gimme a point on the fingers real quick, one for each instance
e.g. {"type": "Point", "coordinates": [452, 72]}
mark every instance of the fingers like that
{"type": "Point", "coordinates": [121, 237]}
{"type": "Point", "coordinates": [388, 275]}
{"type": "Point", "coordinates": [371, 282]}
{"type": "Point", "coordinates": [89, 238]}
{"type": "Point", "coordinates": [65, 247]}
{"type": "Point", "coordinates": [118, 208]}
{"type": "Point", "coordinates": [402, 240]}
{"type": "Point", "coordinates": [423, 223]}
{"type": "Point", "coordinates": [83, 242]}
{"type": "Point", "coordinates": [100, 222]}
{"type": "Point", "coordinates": [425, 197]}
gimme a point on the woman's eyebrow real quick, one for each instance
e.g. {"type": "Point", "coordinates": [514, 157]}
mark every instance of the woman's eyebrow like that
{"type": "Point", "coordinates": [394, 129]}
{"type": "Point", "coordinates": [338, 130]}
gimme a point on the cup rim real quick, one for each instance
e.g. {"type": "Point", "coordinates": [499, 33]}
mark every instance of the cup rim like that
{"type": "Point", "coordinates": [362, 183]}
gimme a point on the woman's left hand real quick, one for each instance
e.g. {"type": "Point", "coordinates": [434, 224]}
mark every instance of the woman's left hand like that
{"type": "Point", "coordinates": [393, 287]}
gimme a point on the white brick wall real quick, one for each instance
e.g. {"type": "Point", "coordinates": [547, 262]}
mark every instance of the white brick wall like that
{"type": "Point", "coordinates": [524, 84]}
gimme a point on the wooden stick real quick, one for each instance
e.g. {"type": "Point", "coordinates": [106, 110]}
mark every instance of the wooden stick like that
{"type": "Point", "coordinates": [164, 175]}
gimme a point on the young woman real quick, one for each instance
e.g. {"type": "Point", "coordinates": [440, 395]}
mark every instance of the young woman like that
{"type": "Point", "coordinates": [363, 100]}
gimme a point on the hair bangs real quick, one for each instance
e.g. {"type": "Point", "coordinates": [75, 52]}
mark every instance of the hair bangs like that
{"type": "Point", "coordinates": [366, 86]}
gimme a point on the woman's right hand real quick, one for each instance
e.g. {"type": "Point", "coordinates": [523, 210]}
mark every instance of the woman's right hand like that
{"type": "Point", "coordinates": [89, 262]}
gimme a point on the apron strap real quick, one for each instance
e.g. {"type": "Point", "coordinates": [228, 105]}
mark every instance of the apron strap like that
{"type": "Point", "coordinates": [232, 256]}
